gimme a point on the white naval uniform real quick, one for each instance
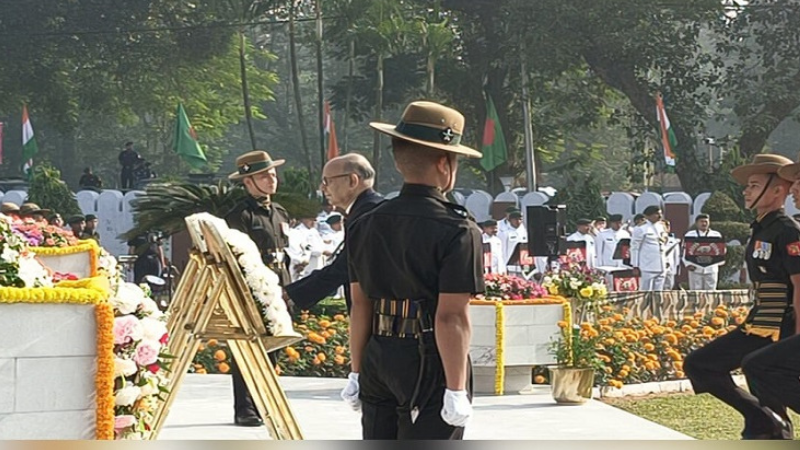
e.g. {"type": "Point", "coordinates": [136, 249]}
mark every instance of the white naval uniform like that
{"type": "Point", "coordinates": [496, 251]}
{"type": "Point", "coordinates": [305, 247]}
{"type": "Point", "coordinates": [673, 253]}
{"type": "Point", "coordinates": [591, 253]}
{"type": "Point", "coordinates": [702, 278]}
{"type": "Point", "coordinates": [606, 243]}
{"type": "Point", "coordinates": [510, 238]}
{"type": "Point", "coordinates": [648, 254]}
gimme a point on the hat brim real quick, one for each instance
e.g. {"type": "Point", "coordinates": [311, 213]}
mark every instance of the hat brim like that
{"type": "Point", "coordinates": [240, 176]}
{"type": "Point", "coordinates": [742, 173]}
{"type": "Point", "coordinates": [387, 128]}
{"type": "Point", "coordinates": [790, 172]}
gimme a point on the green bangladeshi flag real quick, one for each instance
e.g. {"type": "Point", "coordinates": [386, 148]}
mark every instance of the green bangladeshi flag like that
{"type": "Point", "coordinates": [185, 142]}
{"type": "Point", "coordinates": [494, 142]}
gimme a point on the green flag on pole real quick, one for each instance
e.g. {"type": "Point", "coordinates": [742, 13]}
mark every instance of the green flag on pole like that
{"type": "Point", "coordinates": [185, 142]}
{"type": "Point", "coordinates": [494, 142]}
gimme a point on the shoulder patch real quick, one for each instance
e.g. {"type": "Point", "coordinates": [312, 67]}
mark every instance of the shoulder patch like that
{"type": "Point", "coordinates": [793, 248]}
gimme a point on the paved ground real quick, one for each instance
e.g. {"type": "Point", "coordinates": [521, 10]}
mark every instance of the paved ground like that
{"type": "Point", "coordinates": [204, 410]}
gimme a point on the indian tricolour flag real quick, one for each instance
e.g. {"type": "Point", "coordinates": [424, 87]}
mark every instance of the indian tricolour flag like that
{"type": "Point", "coordinates": [29, 148]}
{"type": "Point", "coordinates": [668, 139]}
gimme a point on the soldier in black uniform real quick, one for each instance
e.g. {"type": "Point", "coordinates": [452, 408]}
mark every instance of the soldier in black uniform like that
{"type": "Point", "coordinates": [774, 266]}
{"type": "Point", "coordinates": [414, 262]}
{"type": "Point", "coordinates": [266, 223]}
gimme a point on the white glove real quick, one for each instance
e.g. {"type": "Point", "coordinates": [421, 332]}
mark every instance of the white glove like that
{"type": "Point", "coordinates": [350, 392]}
{"type": "Point", "coordinates": [457, 409]}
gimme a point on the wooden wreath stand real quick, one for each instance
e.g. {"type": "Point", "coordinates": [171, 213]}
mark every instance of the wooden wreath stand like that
{"type": "Point", "coordinates": [213, 300]}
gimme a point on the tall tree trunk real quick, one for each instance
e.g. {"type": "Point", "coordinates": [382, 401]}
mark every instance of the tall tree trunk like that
{"type": "Point", "coordinates": [430, 70]}
{"type": "Point", "coordinates": [320, 85]}
{"type": "Point", "coordinates": [376, 140]}
{"type": "Point", "coordinates": [298, 100]}
{"type": "Point", "coordinates": [351, 70]}
{"type": "Point", "coordinates": [246, 90]}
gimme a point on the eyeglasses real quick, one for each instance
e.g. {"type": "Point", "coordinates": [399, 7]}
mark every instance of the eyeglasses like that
{"type": "Point", "coordinates": [327, 180]}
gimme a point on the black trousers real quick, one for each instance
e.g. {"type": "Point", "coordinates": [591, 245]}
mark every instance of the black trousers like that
{"type": "Point", "coordinates": [243, 404]}
{"type": "Point", "coordinates": [774, 373]}
{"type": "Point", "coordinates": [388, 377]}
{"type": "Point", "coordinates": [709, 369]}
{"type": "Point", "coordinates": [126, 178]}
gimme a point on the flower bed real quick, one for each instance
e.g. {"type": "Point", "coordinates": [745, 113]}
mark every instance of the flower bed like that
{"type": "Point", "coordinates": [633, 350]}
{"type": "Point", "coordinates": [323, 352]}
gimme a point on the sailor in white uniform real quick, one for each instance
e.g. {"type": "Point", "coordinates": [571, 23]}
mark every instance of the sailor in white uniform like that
{"type": "Point", "coordinates": [702, 278]}
{"type": "Point", "coordinates": [648, 250]}
{"type": "Point", "coordinates": [584, 234]}
{"type": "Point", "coordinates": [489, 236]}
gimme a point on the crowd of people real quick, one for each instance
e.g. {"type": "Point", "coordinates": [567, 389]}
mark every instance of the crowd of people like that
{"type": "Point", "coordinates": [82, 227]}
{"type": "Point", "coordinates": [611, 244]}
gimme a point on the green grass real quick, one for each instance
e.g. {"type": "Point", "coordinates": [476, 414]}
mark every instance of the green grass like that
{"type": "Point", "coordinates": [698, 416]}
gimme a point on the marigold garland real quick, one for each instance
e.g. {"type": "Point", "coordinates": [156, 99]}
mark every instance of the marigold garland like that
{"type": "Point", "coordinates": [499, 369]}
{"type": "Point", "coordinates": [88, 291]}
{"type": "Point", "coordinates": [546, 300]}
{"type": "Point", "coordinates": [87, 245]}
{"type": "Point", "coordinates": [568, 335]}
{"type": "Point", "coordinates": [104, 379]}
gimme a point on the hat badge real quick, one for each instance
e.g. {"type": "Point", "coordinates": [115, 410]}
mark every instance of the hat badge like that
{"type": "Point", "coordinates": [447, 135]}
{"type": "Point", "coordinates": [246, 168]}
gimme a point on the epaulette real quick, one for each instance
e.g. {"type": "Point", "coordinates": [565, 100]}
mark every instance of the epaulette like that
{"type": "Point", "coordinates": [459, 210]}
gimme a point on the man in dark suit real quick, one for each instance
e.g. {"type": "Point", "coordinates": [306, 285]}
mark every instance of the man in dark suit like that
{"type": "Point", "coordinates": [347, 184]}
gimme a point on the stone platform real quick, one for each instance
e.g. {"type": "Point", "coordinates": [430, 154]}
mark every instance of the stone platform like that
{"type": "Point", "coordinates": [203, 410]}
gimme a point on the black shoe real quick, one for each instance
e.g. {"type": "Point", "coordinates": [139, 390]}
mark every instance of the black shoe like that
{"type": "Point", "coordinates": [248, 421]}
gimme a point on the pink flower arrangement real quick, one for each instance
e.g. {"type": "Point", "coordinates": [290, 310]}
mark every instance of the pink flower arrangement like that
{"type": "Point", "coordinates": [146, 353]}
{"type": "Point", "coordinates": [40, 234]}
{"type": "Point", "coordinates": [510, 287]}
{"type": "Point", "coordinates": [127, 329]}
{"type": "Point", "coordinates": [122, 422]}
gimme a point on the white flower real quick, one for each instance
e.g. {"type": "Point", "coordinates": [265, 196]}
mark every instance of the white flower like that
{"type": "Point", "coordinates": [32, 273]}
{"type": "Point", "coordinates": [127, 395]}
{"type": "Point", "coordinates": [127, 298]}
{"type": "Point", "coordinates": [124, 367]}
{"type": "Point", "coordinates": [9, 255]}
{"type": "Point", "coordinates": [150, 307]}
{"type": "Point", "coordinates": [150, 388]}
{"type": "Point", "coordinates": [153, 329]}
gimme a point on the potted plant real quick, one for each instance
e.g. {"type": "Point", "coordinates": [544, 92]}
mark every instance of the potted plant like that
{"type": "Point", "coordinates": [576, 355]}
{"type": "Point", "coordinates": [585, 287]}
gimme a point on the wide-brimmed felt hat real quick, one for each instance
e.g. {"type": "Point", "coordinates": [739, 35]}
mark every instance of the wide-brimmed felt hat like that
{"type": "Point", "coordinates": [254, 162]}
{"type": "Point", "coordinates": [432, 125]}
{"type": "Point", "coordinates": [763, 163]}
{"type": "Point", "coordinates": [9, 207]}
{"type": "Point", "coordinates": [31, 208]}
{"type": "Point", "coordinates": [790, 172]}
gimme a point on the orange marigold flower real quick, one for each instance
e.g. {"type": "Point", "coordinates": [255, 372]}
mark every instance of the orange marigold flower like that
{"type": "Point", "coordinates": [606, 329]}
{"type": "Point", "coordinates": [604, 358]}
{"type": "Point", "coordinates": [694, 324]}
{"type": "Point", "coordinates": [671, 339]}
{"type": "Point", "coordinates": [678, 365]}
{"type": "Point", "coordinates": [622, 374]}
{"type": "Point", "coordinates": [670, 323]}
{"type": "Point", "coordinates": [618, 316]}
{"type": "Point", "coordinates": [539, 379]}
{"type": "Point", "coordinates": [338, 317]}
{"type": "Point", "coordinates": [339, 360]}
{"type": "Point", "coordinates": [721, 313]}
{"type": "Point", "coordinates": [649, 347]}
{"type": "Point", "coordinates": [212, 343]}
{"type": "Point", "coordinates": [631, 338]}
{"type": "Point", "coordinates": [220, 355]}
{"type": "Point", "coordinates": [223, 367]}
{"type": "Point", "coordinates": [332, 331]}
{"type": "Point", "coordinates": [324, 323]}
{"type": "Point", "coordinates": [339, 350]}
{"type": "Point", "coordinates": [679, 374]}
{"type": "Point", "coordinates": [717, 321]}
{"type": "Point", "coordinates": [708, 331]}
{"type": "Point", "coordinates": [321, 356]}
{"type": "Point", "coordinates": [562, 324]}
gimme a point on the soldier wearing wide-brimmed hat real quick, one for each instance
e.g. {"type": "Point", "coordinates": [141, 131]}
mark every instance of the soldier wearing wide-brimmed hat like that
{"type": "Point", "coordinates": [30, 210]}
{"type": "Point", "coordinates": [414, 262]}
{"type": "Point", "coordinates": [267, 223]}
{"type": "Point", "coordinates": [773, 263]}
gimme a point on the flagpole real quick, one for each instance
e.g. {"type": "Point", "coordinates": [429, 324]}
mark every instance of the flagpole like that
{"type": "Point", "coordinates": [320, 84]}
{"type": "Point", "coordinates": [530, 169]}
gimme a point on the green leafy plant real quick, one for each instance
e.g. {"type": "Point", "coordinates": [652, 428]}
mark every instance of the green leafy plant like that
{"type": "Point", "coordinates": [49, 191]}
{"type": "Point", "coordinates": [577, 348]}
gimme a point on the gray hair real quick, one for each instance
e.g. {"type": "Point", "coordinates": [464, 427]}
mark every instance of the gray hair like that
{"type": "Point", "coordinates": [359, 165]}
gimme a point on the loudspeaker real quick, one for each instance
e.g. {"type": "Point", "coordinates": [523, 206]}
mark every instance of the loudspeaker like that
{"type": "Point", "coordinates": [547, 230]}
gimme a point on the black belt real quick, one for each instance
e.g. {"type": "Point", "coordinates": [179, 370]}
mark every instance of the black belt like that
{"type": "Point", "coordinates": [396, 318]}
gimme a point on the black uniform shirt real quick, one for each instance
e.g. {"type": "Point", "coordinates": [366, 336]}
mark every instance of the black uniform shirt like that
{"type": "Point", "coordinates": [264, 228]}
{"type": "Point", "coordinates": [773, 253]}
{"type": "Point", "coordinates": [415, 246]}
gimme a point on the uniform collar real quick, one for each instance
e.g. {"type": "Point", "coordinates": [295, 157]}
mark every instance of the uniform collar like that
{"type": "Point", "coordinates": [421, 190]}
{"type": "Point", "coordinates": [768, 218]}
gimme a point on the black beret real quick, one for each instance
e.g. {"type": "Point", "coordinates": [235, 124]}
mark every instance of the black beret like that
{"type": "Point", "coordinates": [515, 215]}
{"type": "Point", "coordinates": [489, 223]}
{"type": "Point", "coordinates": [76, 219]}
{"type": "Point", "coordinates": [583, 222]}
{"type": "Point", "coordinates": [702, 216]}
{"type": "Point", "coordinates": [333, 218]}
{"type": "Point", "coordinates": [90, 217]}
{"type": "Point", "coordinates": [652, 209]}
{"type": "Point", "coordinates": [600, 219]}
{"type": "Point", "coordinates": [615, 218]}
{"type": "Point", "coordinates": [512, 209]}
